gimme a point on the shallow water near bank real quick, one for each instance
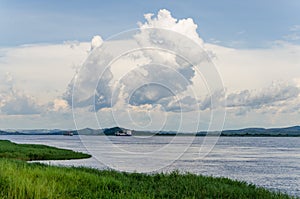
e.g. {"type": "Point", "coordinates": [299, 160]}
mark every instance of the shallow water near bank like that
{"type": "Point", "coordinates": [270, 162]}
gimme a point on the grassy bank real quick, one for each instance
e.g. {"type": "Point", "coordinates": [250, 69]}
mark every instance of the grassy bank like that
{"type": "Point", "coordinates": [36, 152]}
{"type": "Point", "coordinates": [22, 180]}
{"type": "Point", "coordinates": [19, 179]}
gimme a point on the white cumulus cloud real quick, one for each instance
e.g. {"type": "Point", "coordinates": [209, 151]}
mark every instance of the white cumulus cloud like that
{"type": "Point", "coordinates": [96, 42]}
{"type": "Point", "coordinates": [159, 67]}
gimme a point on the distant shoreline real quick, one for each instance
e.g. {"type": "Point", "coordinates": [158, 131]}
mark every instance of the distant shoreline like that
{"type": "Point", "coordinates": [293, 131]}
{"type": "Point", "coordinates": [163, 135]}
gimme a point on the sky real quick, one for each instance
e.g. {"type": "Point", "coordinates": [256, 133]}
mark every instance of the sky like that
{"type": "Point", "coordinates": [253, 48]}
{"type": "Point", "coordinates": [232, 23]}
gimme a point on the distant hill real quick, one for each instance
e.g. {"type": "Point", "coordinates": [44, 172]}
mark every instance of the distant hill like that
{"type": "Point", "coordinates": [287, 131]}
{"type": "Point", "coordinates": [88, 131]}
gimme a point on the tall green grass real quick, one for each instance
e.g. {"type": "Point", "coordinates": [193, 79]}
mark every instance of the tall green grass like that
{"type": "Point", "coordinates": [19, 179]}
{"type": "Point", "coordinates": [36, 152]}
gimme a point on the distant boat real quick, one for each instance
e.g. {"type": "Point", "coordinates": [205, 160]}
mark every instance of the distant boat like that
{"type": "Point", "coordinates": [68, 133]}
{"type": "Point", "coordinates": [123, 133]}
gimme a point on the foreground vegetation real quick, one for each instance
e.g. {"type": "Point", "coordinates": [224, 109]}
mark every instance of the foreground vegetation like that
{"type": "Point", "coordinates": [19, 179]}
{"type": "Point", "coordinates": [36, 152]}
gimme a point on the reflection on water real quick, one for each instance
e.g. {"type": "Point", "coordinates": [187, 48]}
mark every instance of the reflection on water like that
{"type": "Point", "coordinates": [271, 162]}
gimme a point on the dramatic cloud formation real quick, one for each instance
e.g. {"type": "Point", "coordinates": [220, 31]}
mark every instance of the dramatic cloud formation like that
{"type": "Point", "coordinates": [160, 72]}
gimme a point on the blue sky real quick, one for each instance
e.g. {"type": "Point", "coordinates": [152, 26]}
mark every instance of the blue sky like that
{"type": "Point", "coordinates": [241, 24]}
